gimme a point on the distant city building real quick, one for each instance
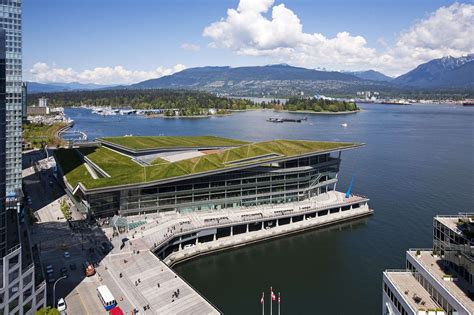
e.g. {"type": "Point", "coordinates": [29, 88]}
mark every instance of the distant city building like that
{"type": "Point", "coordinates": [438, 280]}
{"type": "Point", "coordinates": [24, 102]}
{"type": "Point", "coordinates": [43, 102]}
{"type": "Point", "coordinates": [21, 292]}
{"type": "Point", "coordinates": [37, 110]}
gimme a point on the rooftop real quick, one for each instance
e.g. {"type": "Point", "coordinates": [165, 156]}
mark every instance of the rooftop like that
{"type": "Point", "coordinates": [459, 288]}
{"type": "Point", "coordinates": [114, 169]}
{"type": "Point", "coordinates": [411, 290]}
{"type": "Point", "coordinates": [462, 224]}
{"type": "Point", "coordinates": [138, 143]}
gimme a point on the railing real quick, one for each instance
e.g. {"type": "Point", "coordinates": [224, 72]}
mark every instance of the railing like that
{"type": "Point", "coordinates": [440, 283]}
{"type": "Point", "coordinates": [264, 217]}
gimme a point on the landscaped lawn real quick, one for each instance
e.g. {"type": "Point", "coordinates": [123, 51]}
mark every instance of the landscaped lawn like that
{"type": "Point", "coordinates": [153, 142]}
{"type": "Point", "coordinates": [38, 134]}
{"type": "Point", "coordinates": [123, 170]}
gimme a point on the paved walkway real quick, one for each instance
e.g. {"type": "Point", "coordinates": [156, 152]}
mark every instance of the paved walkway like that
{"type": "Point", "coordinates": [146, 281]}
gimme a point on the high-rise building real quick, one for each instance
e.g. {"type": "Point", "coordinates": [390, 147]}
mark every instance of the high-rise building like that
{"type": "Point", "coordinates": [10, 11]}
{"type": "Point", "coordinates": [438, 280]}
{"type": "Point", "coordinates": [21, 292]}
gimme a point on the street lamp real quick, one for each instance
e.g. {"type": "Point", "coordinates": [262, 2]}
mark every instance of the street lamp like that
{"type": "Point", "coordinates": [54, 289]}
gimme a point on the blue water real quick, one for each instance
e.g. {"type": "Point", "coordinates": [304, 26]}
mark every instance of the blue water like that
{"type": "Point", "coordinates": [418, 161]}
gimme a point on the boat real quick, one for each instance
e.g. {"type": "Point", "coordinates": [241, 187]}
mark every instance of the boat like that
{"type": "Point", "coordinates": [344, 125]}
{"type": "Point", "coordinates": [400, 102]}
{"type": "Point", "coordinates": [468, 104]}
{"type": "Point", "coordinates": [275, 120]}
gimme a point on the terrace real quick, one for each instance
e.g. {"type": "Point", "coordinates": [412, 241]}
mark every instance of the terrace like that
{"type": "Point", "coordinates": [124, 170]}
{"type": "Point", "coordinates": [412, 292]}
{"type": "Point", "coordinates": [457, 287]}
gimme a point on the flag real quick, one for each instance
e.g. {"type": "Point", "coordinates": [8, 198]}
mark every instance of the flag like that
{"type": "Point", "coordinates": [272, 294]}
{"type": "Point", "coordinates": [261, 300]}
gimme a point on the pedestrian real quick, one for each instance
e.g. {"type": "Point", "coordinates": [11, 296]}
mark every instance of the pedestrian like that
{"type": "Point", "coordinates": [158, 284]}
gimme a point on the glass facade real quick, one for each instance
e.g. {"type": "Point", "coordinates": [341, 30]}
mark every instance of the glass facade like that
{"type": "Point", "coordinates": [275, 183]}
{"type": "Point", "coordinates": [2, 146]}
{"type": "Point", "coordinates": [10, 21]}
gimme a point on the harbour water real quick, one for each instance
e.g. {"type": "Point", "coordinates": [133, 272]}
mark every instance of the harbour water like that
{"type": "Point", "coordinates": [418, 162]}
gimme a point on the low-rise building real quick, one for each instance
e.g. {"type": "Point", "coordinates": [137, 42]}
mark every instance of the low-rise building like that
{"type": "Point", "coordinates": [437, 280]}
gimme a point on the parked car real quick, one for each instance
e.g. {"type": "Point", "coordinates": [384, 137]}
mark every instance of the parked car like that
{"type": "Point", "coordinates": [61, 305]}
{"type": "Point", "coordinates": [67, 255]}
{"type": "Point", "coordinates": [49, 269]}
{"type": "Point", "coordinates": [63, 271]}
{"type": "Point", "coordinates": [72, 266]}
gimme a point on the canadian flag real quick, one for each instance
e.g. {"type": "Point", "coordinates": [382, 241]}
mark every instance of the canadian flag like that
{"type": "Point", "coordinates": [272, 294]}
{"type": "Point", "coordinates": [261, 300]}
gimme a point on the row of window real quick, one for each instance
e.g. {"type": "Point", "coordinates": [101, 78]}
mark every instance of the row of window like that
{"type": "Point", "coordinates": [394, 299]}
{"type": "Point", "coordinates": [435, 295]}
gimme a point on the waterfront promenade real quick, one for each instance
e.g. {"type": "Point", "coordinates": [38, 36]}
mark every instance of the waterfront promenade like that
{"type": "Point", "coordinates": [147, 281]}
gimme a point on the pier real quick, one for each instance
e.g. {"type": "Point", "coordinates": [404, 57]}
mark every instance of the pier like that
{"type": "Point", "coordinates": [140, 266]}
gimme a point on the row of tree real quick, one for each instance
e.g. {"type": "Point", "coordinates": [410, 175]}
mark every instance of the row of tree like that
{"type": "Point", "coordinates": [313, 104]}
{"type": "Point", "coordinates": [189, 103]}
{"type": "Point", "coordinates": [143, 99]}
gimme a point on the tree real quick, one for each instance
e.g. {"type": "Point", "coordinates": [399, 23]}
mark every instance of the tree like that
{"type": "Point", "coordinates": [48, 310]}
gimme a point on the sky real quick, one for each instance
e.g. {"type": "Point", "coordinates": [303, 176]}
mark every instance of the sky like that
{"type": "Point", "coordinates": [123, 41]}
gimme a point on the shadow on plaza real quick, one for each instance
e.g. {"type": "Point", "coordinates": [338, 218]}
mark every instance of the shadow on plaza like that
{"type": "Point", "coordinates": [83, 242]}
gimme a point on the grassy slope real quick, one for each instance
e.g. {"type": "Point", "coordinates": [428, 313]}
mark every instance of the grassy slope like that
{"type": "Point", "coordinates": [124, 171]}
{"type": "Point", "coordinates": [150, 142]}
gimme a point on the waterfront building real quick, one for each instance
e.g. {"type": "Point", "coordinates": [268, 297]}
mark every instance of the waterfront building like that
{"type": "Point", "coordinates": [22, 290]}
{"type": "Point", "coordinates": [438, 280]}
{"type": "Point", "coordinates": [133, 175]}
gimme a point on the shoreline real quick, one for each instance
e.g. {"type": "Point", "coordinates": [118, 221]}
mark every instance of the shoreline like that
{"type": "Point", "coordinates": [317, 113]}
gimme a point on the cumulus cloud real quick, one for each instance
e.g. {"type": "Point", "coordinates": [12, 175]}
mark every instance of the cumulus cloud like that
{"type": "Point", "coordinates": [249, 31]}
{"type": "Point", "coordinates": [190, 47]}
{"type": "Point", "coordinates": [43, 73]}
{"type": "Point", "coordinates": [446, 32]}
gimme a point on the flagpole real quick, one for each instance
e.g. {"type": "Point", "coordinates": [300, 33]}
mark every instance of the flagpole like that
{"type": "Point", "coordinates": [263, 303]}
{"type": "Point", "coordinates": [271, 291]}
{"type": "Point", "coordinates": [278, 303]}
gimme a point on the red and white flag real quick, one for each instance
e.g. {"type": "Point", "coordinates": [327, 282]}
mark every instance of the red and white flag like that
{"type": "Point", "coordinates": [272, 294]}
{"type": "Point", "coordinates": [261, 300]}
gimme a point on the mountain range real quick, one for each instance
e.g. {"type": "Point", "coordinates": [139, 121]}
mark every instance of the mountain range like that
{"type": "Point", "coordinates": [447, 73]}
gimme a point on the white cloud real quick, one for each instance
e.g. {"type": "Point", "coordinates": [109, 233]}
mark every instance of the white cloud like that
{"type": "Point", "coordinates": [190, 47]}
{"type": "Point", "coordinates": [43, 73]}
{"type": "Point", "coordinates": [449, 31]}
{"type": "Point", "coordinates": [248, 31]}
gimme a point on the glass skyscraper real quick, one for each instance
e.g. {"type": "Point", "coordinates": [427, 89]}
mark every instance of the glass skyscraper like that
{"type": "Point", "coordinates": [10, 21]}
{"type": "Point", "coordinates": [22, 289]}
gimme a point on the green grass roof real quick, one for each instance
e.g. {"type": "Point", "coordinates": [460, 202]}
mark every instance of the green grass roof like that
{"type": "Point", "coordinates": [156, 142]}
{"type": "Point", "coordinates": [123, 170]}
